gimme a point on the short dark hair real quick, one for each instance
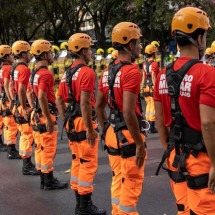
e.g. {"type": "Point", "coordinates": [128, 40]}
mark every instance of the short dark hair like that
{"type": "Point", "coordinates": [183, 39]}
{"type": "Point", "coordinates": [120, 47]}
{"type": "Point", "coordinates": [150, 55]}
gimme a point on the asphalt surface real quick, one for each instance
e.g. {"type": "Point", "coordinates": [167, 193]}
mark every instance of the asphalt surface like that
{"type": "Point", "coordinates": [21, 195]}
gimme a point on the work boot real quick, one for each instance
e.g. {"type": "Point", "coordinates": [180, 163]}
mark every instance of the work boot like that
{"type": "Point", "coordinates": [12, 153]}
{"type": "Point", "coordinates": [152, 129]}
{"type": "Point", "coordinates": [77, 208]}
{"type": "Point", "coordinates": [28, 167]}
{"type": "Point", "coordinates": [3, 147]}
{"type": "Point", "coordinates": [42, 180]}
{"type": "Point", "coordinates": [52, 183]}
{"type": "Point", "coordinates": [88, 208]}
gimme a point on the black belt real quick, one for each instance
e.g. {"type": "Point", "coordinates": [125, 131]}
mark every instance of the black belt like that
{"type": "Point", "coordinates": [20, 120]}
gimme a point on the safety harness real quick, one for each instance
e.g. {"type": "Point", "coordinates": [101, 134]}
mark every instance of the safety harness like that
{"type": "Point", "coordinates": [41, 128]}
{"type": "Point", "coordinates": [73, 109]}
{"type": "Point", "coordinates": [184, 139]}
{"type": "Point", "coordinates": [4, 99]}
{"type": "Point", "coordinates": [148, 81]}
{"type": "Point", "coordinates": [116, 119]}
{"type": "Point", "coordinates": [17, 116]}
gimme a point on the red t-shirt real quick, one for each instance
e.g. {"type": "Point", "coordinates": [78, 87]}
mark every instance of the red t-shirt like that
{"type": "Point", "coordinates": [4, 73]}
{"type": "Point", "coordinates": [44, 80]}
{"type": "Point", "coordinates": [154, 67]}
{"type": "Point", "coordinates": [83, 80]}
{"type": "Point", "coordinates": [21, 76]}
{"type": "Point", "coordinates": [128, 79]}
{"type": "Point", "coordinates": [197, 87]}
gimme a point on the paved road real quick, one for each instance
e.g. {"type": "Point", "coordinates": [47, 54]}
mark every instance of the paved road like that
{"type": "Point", "coordinates": [20, 195]}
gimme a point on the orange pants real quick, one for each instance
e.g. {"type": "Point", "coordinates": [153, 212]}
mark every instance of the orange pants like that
{"type": "Point", "coordinates": [127, 179]}
{"type": "Point", "coordinates": [200, 201]}
{"type": "Point", "coordinates": [26, 137]}
{"type": "Point", "coordinates": [84, 161]}
{"type": "Point", "coordinates": [1, 124]}
{"type": "Point", "coordinates": [150, 107]}
{"type": "Point", "coordinates": [46, 146]}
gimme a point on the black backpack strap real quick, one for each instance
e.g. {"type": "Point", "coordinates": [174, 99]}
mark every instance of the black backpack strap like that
{"type": "Point", "coordinates": [69, 74]}
{"type": "Point", "coordinates": [174, 79]}
{"type": "Point", "coordinates": [148, 64]}
{"type": "Point", "coordinates": [112, 71]}
{"type": "Point", "coordinates": [34, 72]}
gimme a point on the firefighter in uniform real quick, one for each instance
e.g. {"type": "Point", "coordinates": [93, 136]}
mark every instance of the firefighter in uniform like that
{"type": "Point", "coordinates": [20, 74]}
{"type": "Point", "coordinates": [99, 62]}
{"type": "Point", "coordinates": [123, 131]}
{"type": "Point", "coordinates": [151, 69]}
{"type": "Point", "coordinates": [212, 58]}
{"type": "Point", "coordinates": [77, 88]}
{"type": "Point", "coordinates": [62, 59]}
{"type": "Point", "coordinates": [44, 115]}
{"type": "Point", "coordinates": [207, 57]}
{"type": "Point", "coordinates": [10, 127]}
{"type": "Point", "coordinates": [185, 113]}
{"type": "Point", "coordinates": [108, 57]}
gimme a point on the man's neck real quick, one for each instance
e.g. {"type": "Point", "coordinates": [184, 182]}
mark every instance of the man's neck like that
{"type": "Point", "coordinates": [189, 51]}
{"type": "Point", "coordinates": [124, 57]}
{"type": "Point", "coordinates": [41, 63]}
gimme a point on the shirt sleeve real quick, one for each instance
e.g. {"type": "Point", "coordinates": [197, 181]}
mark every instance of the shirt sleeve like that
{"type": "Point", "coordinates": [207, 88]}
{"type": "Point", "coordinates": [156, 89]}
{"type": "Point", "coordinates": [24, 76]}
{"type": "Point", "coordinates": [88, 80]}
{"type": "Point", "coordinates": [63, 91]}
{"type": "Point", "coordinates": [131, 81]}
{"type": "Point", "coordinates": [6, 73]}
{"type": "Point", "coordinates": [45, 82]}
{"type": "Point", "coordinates": [155, 67]}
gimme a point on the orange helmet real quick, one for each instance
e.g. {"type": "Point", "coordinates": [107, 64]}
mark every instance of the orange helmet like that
{"type": "Point", "coordinates": [124, 32]}
{"type": "Point", "coordinates": [40, 46]}
{"type": "Point", "coordinates": [150, 49]}
{"type": "Point", "coordinates": [114, 54]}
{"type": "Point", "coordinates": [78, 41]}
{"type": "Point", "coordinates": [20, 46]}
{"type": "Point", "coordinates": [189, 19]}
{"type": "Point", "coordinates": [4, 50]}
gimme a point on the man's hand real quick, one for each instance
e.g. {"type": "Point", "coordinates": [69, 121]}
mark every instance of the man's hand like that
{"type": "Point", "coordinates": [26, 114]}
{"type": "Point", "coordinates": [50, 125]}
{"type": "Point", "coordinates": [91, 136]}
{"type": "Point", "coordinates": [140, 155]}
{"type": "Point", "coordinates": [211, 181]}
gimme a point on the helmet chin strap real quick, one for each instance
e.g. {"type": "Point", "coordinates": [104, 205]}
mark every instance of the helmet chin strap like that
{"type": "Point", "coordinates": [131, 54]}
{"type": "Point", "coordinates": [200, 47]}
{"type": "Point", "coordinates": [85, 59]}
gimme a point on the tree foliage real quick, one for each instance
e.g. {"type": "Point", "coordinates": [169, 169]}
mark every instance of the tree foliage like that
{"type": "Point", "coordinates": [57, 19]}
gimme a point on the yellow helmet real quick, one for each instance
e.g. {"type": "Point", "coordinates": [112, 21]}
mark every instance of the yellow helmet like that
{"type": "Point", "coordinates": [212, 50]}
{"type": "Point", "coordinates": [5, 50]}
{"type": "Point", "coordinates": [78, 41]}
{"type": "Point", "coordinates": [100, 51]}
{"type": "Point", "coordinates": [115, 54]}
{"type": "Point", "coordinates": [110, 50]}
{"type": "Point", "coordinates": [213, 44]}
{"type": "Point", "coordinates": [64, 46]}
{"type": "Point", "coordinates": [55, 49]}
{"type": "Point", "coordinates": [189, 19]}
{"type": "Point", "coordinates": [155, 43]}
{"type": "Point", "coordinates": [208, 51]}
{"type": "Point", "coordinates": [40, 46]}
{"type": "Point", "coordinates": [20, 46]}
{"type": "Point", "coordinates": [150, 49]}
{"type": "Point", "coordinates": [124, 32]}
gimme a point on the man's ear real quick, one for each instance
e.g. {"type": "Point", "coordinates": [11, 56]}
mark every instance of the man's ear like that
{"type": "Point", "coordinates": [200, 39]}
{"type": "Point", "coordinates": [131, 46]}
